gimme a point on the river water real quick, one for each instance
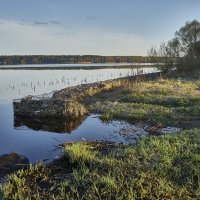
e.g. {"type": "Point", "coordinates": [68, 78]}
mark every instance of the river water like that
{"type": "Point", "coordinates": [77, 65]}
{"type": "Point", "coordinates": [37, 139]}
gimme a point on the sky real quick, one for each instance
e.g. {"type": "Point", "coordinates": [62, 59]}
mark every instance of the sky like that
{"type": "Point", "coordinates": [94, 27]}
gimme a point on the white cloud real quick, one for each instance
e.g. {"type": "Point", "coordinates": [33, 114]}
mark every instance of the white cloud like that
{"type": "Point", "coordinates": [17, 37]}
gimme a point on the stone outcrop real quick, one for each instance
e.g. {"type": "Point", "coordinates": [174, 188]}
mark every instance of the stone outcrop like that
{"type": "Point", "coordinates": [12, 162]}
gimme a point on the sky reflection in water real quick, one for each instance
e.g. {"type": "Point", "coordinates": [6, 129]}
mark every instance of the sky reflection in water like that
{"type": "Point", "coordinates": [37, 138]}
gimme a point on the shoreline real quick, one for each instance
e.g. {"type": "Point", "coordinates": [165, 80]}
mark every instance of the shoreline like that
{"type": "Point", "coordinates": [74, 67]}
{"type": "Point", "coordinates": [69, 102]}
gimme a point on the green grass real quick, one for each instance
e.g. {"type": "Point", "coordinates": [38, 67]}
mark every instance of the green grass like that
{"type": "Point", "coordinates": [166, 167]}
{"type": "Point", "coordinates": [162, 167]}
{"type": "Point", "coordinates": [165, 102]}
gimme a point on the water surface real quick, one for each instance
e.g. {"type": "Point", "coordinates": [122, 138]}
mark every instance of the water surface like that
{"type": "Point", "coordinates": [37, 139]}
{"type": "Point", "coordinates": [19, 83]}
{"type": "Point", "coordinates": [39, 143]}
{"type": "Point", "coordinates": [74, 66]}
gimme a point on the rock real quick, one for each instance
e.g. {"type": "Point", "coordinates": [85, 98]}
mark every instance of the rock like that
{"type": "Point", "coordinates": [12, 162]}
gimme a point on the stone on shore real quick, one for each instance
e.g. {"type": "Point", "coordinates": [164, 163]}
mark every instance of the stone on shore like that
{"type": "Point", "coordinates": [12, 162]}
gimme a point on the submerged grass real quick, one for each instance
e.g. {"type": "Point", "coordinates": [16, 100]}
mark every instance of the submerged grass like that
{"type": "Point", "coordinates": [166, 167]}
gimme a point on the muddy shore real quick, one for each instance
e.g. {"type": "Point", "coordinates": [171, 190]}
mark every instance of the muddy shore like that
{"type": "Point", "coordinates": [69, 102]}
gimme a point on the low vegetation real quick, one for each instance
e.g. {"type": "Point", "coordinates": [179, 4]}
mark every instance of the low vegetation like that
{"type": "Point", "coordinates": [164, 102]}
{"type": "Point", "coordinates": [165, 167]}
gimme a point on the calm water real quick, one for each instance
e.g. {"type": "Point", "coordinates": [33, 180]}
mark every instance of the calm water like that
{"type": "Point", "coordinates": [84, 65]}
{"type": "Point", "coordinates": [37, 139]}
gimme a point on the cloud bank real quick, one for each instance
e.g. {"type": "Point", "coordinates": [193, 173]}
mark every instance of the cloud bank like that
{"type": "Point", "coordinates": [53, 37]}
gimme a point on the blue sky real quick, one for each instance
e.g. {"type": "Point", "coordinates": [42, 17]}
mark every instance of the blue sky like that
{"type": "Point", "coordinates": [102, 27]}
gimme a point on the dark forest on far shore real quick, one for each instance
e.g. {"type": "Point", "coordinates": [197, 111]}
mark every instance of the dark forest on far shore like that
{"type": "Point", "coordinates": [63, 59]}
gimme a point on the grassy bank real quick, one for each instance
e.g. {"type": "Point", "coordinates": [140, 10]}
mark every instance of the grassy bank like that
{"type": "Point", "coordinates": [156, 167]}
{"type": "Point", "coordinates": [166, 167]}
{"type": "Point", "coordinates": [164, 102]}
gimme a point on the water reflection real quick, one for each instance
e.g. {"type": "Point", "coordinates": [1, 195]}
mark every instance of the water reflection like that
{"type": "Point", "coordinates": [15, 84]}
{"type": "Point", "coordinates": [36, 138]}
{"type": "Point", "coordinates": [57, 125]}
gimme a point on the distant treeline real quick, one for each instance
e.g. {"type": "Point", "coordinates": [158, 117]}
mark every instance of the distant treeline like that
{"type": "Point", "coordinates": [52, 59]}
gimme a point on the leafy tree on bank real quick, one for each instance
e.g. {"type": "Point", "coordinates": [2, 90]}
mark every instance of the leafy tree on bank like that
{"type": "Point", "coordinates": [182, 52]}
